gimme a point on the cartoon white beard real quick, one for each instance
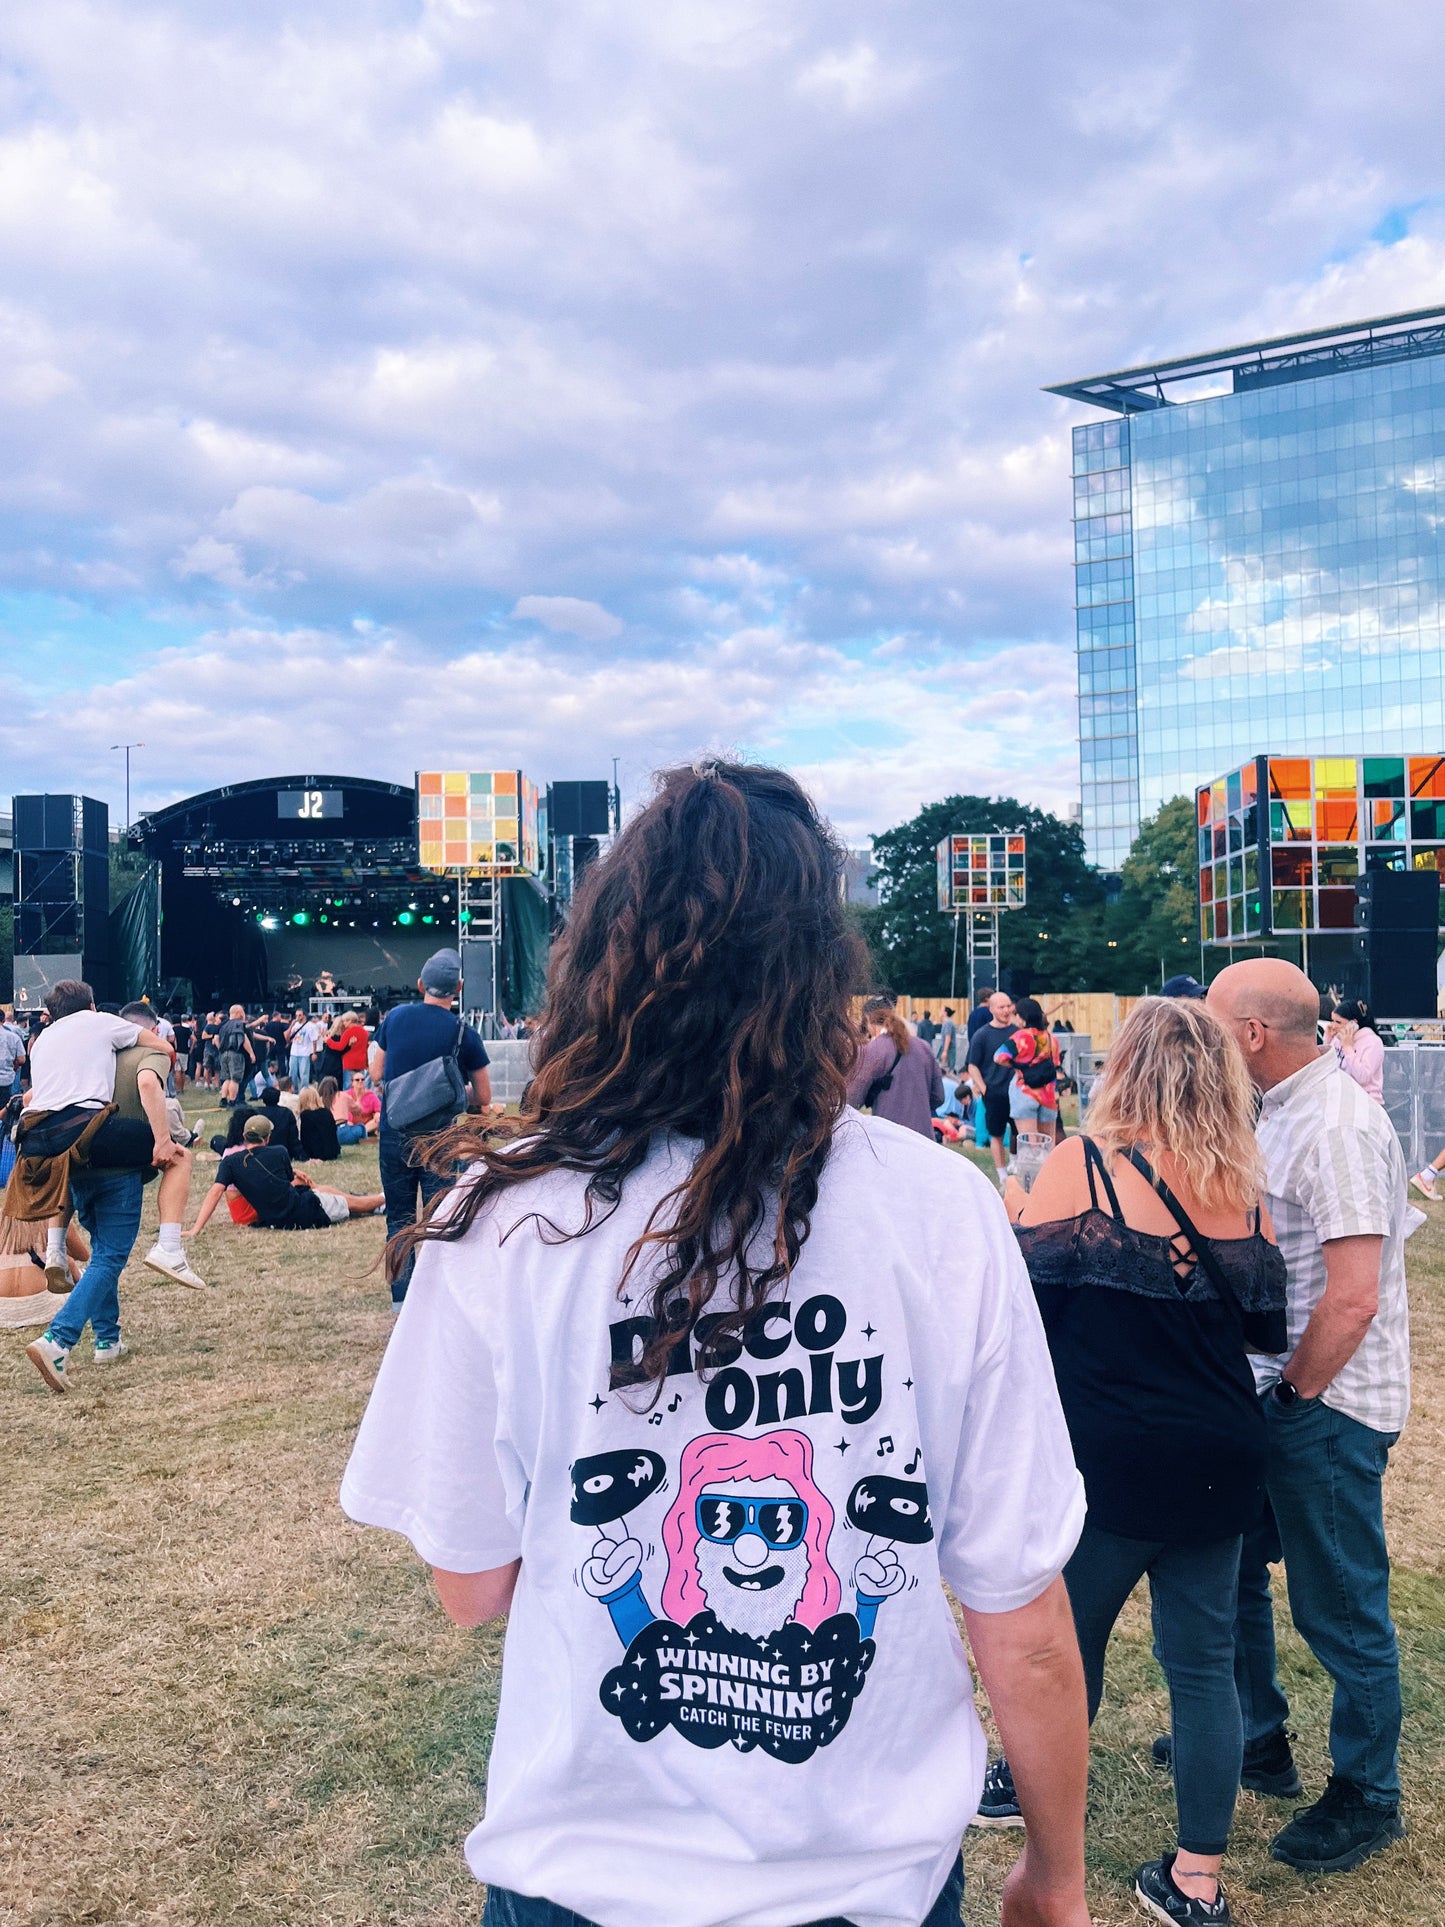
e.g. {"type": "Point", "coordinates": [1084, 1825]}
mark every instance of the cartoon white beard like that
{"type": "Point", "coordinates": [756, 1600]}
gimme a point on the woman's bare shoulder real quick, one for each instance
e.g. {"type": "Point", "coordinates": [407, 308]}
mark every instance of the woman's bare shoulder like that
{"type": "Point", "coordinates": [1061, 1189]}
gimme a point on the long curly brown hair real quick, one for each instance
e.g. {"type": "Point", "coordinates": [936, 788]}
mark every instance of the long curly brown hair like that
{"type": "Point", "coordinates": [701, 988]}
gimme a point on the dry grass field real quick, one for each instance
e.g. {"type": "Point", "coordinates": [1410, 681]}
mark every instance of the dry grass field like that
{"type": "Point", "coordinates": [223, 1706]}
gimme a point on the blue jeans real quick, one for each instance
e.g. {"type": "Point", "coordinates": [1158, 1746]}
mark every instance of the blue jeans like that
{"type": "Point", "coordinates": [350, 1133]}
{"type": "Point", "coordinates": [402, 1182]}
{"type": "Point", "coordinates": [1192, 1597]}
{"type": "Point", "coordinates": [107, 1204]}
{"type": "Point", "coordinates": [301, 1069]}
{"type": "Point", "coordinates": [506, 1909]}
{"type": "Point", "coordinates": [1326, 1520]}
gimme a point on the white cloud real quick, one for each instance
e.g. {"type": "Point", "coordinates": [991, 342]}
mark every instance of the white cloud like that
{"type": "Point", "coordinates": [567, 615]}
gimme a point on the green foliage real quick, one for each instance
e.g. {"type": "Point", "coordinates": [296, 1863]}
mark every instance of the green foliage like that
{"type": "Point", "coordinates": [1156, 918]}
{"type": "Point", "coordinates": [1070, 936]}
{"type": "Point", "coordinates": [912, 943]}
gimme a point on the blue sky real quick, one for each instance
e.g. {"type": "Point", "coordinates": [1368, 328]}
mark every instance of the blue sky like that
{"type": "Point", "coordinates": [385, 385]}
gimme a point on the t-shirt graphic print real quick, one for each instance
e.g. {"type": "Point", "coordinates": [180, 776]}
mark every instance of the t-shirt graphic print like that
{"type": "Point", "coordinates": [729, 1631]}
{"type": "Point", "coordinates": [757, 1642]}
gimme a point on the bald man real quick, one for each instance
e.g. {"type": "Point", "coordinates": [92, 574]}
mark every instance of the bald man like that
{"type": "Point", "coordinates": [1335, 1403]}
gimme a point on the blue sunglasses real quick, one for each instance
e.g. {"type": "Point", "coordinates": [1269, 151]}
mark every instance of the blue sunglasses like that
{"type": "Point", "coordinates": [780, 1523]}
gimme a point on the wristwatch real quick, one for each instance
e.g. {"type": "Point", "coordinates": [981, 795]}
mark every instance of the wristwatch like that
{"type": "Point", "coordinates": [1286, 1394]}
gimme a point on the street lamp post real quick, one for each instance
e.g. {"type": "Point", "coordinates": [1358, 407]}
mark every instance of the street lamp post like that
{"type": "Point", "coordinates": [127, 747]}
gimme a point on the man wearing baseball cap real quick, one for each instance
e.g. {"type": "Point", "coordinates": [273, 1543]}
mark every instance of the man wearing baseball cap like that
{"type": "Point", "coordinates": [1183, 987]}
{"type": "Point", "coordinates": [405, 1039]}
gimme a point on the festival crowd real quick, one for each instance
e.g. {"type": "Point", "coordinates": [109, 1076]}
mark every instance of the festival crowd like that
{"type": "Point", "coordinates": [717, 1363]}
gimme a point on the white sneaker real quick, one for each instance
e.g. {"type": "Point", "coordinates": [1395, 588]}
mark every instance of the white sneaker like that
{"type": "Point", "coordinates": [57, 1276]}
{"type": "Point", "coordinates": [173, 1264]}
{"type": "Point", "coordinates": [1424, 1183]}
{"type": "Point", "coordinates": [48, 1358]}
{"type": "Point", "coordinates": [107, 1352]}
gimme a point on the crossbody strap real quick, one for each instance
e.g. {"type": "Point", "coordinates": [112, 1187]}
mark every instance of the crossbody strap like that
{"type": "Point", "coordinates": [1198, 1243]}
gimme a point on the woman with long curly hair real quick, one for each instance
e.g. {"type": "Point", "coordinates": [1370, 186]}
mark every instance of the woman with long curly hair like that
{"type": "Point", "coordinates": [698, 1377]}
{"type": "Point", "coordinates": [1157, 1274]}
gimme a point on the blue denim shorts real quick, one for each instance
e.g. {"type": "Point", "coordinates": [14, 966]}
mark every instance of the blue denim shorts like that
{"type": "Point", "coordinates": [506, 1909]}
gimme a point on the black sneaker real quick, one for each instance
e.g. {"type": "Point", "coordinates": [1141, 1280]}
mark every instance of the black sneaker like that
{"type": "Point", "coordinates": [1268, 1766]}
{"type": "Point", "coordinates": [998, 1804]}
{"type": "Point", "coordinates": [1154, 1886]}
{"type": "Point", "coordinates": [1339, 1831]}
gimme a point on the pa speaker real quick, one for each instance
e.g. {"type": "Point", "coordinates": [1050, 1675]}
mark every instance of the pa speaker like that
{"type": "Point", "coordinates": [1395, 972]}
{"type": "Point", "coordinates": [478, 973]}
{"type": "Point", "coordinates": [579, 809]}
{"type": "Point", "coordinates": [1398, 900]}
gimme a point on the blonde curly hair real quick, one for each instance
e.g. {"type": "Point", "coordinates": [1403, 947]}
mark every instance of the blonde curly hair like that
{"type": "Point", "coordinates": [1175, 1082]}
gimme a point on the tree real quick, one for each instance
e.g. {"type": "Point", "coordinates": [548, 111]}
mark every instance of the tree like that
{"type": "Point", "coordinates": [1155, 922]}
{"type": "Point", "coordinates": [1058, 936]}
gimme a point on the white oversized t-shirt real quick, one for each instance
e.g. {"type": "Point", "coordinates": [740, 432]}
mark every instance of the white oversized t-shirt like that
{"type": "Point", "coordinates": [733, 1693]}
{"type": "Point", "coordinates": [73, 1060]}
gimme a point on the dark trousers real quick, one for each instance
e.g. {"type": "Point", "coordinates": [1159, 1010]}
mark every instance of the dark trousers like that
{"type": "Point", "coordinates": [403, 1183]}
{"type": "Point", "coordinates": [1326, 1520]}
{"type": "Point", "coordinates": [1192, 1590]}
{"type": "Point", "coordinates": [506, 1909]}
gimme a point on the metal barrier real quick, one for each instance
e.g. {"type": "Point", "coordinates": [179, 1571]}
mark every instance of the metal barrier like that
{"type": "Point", "coordinates": [1414, 1088]}
{"type": "Point", "coordinates": [511, 1067]}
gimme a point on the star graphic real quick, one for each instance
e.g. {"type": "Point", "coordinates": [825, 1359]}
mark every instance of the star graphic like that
{"type": "Point", "coordinates": [597, 1404]}
{"type": "Point", "coordinates": [908, 1384]}
{"type": "Point", "coordinates": [692, 1639]}
{"type": "Point", "coordinates": [868, 1330]}
{"type": "Point", "coordinates": [639, 1661]}
{"type": "Point", "coordinates": [617, 1691]}
{"type": "Point", "coordinates": [841, 1447]}
{"type": "Point", "coordinates": [807, 1646]}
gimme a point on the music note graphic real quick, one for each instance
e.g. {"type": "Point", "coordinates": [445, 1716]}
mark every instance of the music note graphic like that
{"type": "Point", "coordinates": [675, 1403]}
{"type": "Point", "coordinates": [912, 1465]}
{"type": "Point", "coordinates": [656, 1419]}
{"type": "Point", "coordinates": [885, 1445]}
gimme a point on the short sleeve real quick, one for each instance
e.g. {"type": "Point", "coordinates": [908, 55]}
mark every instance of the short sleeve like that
{"type": "Point", "coordinates": [1347, 1185]}
{"type": "Point", "coordinates": [426, 1462]}
{"type": "Point", "coordinates": [123, 1036]}
{"type": "Point", "coordinates": [1016, 1507]}
{"type": "Point", "coordinates": [976, 1050]}
{"type": "Point", "coordinates": [473, 1054]}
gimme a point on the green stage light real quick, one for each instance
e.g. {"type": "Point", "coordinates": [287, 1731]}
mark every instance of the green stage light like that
{"type": "Point", "coordinates": [466, 916]}
{"type": "Point", "coordinates": [301, 916]}
{"type": "Point", "coordinates": [428, 919]}
{"type": "Point", "coordinates": [405, 916]}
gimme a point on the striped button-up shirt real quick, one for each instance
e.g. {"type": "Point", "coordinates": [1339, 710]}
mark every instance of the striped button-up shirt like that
{"type": "Point", "coordinates": [1334, 1170]}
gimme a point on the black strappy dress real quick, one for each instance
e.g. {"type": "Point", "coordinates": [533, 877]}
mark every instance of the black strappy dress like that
{"type": "Point", "coordinates": [1152, 1364]}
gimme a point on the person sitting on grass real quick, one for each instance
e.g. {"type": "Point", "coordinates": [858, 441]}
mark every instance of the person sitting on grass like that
{"type": "Point", "coordinates": [318, 1126]}
{"type": "Point", "coordinates": [283, 1125]}
{"type": "Point", "coordinates": [357, 1111]}
{"type": "Point", "coordinates": [258, 1183]}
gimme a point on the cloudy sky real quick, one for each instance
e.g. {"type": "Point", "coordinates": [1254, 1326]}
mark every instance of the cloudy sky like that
{"type": "Point", "coordinates": [389, 384]}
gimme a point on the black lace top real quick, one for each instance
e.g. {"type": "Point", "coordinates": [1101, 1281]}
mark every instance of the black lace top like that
{"type": "Point", "coordinates": [1152, 1368]}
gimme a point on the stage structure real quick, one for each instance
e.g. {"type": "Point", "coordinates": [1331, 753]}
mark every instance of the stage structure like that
{"type": "Point", "coordinates": [481, 829]}
{"type": "Point", "coordinates": [980, 875]}
{"type": "Point", "coordinates": [264, 884]}
{"type": "Point", "coordinates": [1328, 860]}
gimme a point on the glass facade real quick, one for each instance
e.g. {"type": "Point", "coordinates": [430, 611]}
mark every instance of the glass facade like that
{"type": "Point", "coordinates": [1282, 839]}
{"type": "Point", "coordinates": [1257, 571]}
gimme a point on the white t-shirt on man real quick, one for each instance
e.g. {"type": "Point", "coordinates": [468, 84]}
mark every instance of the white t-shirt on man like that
{"type": "Point", "coordinates": [733, 1692]}
{"type": "Point", "coordinates": [72, 1061]}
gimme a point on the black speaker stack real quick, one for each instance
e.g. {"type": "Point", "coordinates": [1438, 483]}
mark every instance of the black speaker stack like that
{"type": "Point", "coordinates": [62, 890]}
{"type": "Point", "coordinates": [1397, 941]}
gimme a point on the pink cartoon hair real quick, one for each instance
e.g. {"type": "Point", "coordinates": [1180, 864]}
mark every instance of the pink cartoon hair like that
{"type": "Point", "coordinates": [721, 1458]}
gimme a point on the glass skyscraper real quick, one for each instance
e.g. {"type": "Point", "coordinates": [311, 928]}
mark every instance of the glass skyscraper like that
{"type": "Point", "coordinates": [1257, 542]}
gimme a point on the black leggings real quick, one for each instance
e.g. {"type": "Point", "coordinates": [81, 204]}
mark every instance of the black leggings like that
{"type": "Point", "coordinates": [1193, 1590]}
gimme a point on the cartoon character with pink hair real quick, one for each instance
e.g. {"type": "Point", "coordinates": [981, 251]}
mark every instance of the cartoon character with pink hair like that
{"type": "Point", "coordinates": [747, 1540]}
